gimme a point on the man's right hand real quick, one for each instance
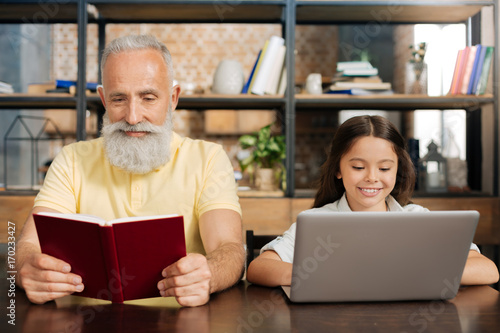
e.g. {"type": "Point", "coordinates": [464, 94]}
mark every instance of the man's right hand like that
{"type": "Point", "coordinates": [45, 278]}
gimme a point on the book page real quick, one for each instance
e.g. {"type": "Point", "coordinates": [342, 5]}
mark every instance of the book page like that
{"type": "Point", "coordinates": [139, 218]}
{"type": "Point", "coordinates": [75, 217]}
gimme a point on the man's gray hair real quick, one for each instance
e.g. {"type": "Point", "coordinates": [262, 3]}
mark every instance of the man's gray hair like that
{"type": "Point", "coordinates": [138, 42]}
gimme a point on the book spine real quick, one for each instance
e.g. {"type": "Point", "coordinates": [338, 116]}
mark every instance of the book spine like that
{"type": "Point", "coordinates": [456, 73]}
{"type": "Point", "coordinates": [252, 73]}
{"type": "Point", "coordinates": [282, 84]}
{"type": "Point", "coordinates": [468, 69]}
{"type": "Point", "coordinates": [264, 71]}
{"type": "Point", "coordinates": [463, 64]}
{"type": "Point", "coordinates": [474, 69]}
{"type": "Point", "coordinates": [67, 84]}
{"type": "Point", "coordinates": [483, 80]}
{"type": "Point", "coordinates": [479, 69]}
{"type": "Point", "coordinates": [274, 78]}
{"type": "Point", "coordinates": [112, 266]}
{"type": "Point", "coordinates": [257, 68]}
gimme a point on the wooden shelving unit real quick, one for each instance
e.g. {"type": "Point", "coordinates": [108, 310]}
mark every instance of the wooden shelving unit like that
{"type": "Point", "coordinates": [393, 102]}
{"type": "Point", "coordinates": [287, 13]}
{"type": "Point", "coordinates": [378, 12]}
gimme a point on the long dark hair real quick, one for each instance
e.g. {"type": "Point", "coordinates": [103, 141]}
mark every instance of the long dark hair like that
{"type": "Point", "coordinates": [331, 189]}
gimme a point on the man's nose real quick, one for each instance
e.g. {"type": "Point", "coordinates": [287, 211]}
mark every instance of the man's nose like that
{"type": "Point", "coordinates": [134, 114]}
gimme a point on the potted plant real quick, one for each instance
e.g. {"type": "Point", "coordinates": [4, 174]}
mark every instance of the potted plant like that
{"type": "Point", "coordinates": [265, 159]}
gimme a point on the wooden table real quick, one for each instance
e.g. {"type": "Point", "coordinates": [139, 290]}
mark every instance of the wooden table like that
{"type": "Point", "coordinates": [250, 308]}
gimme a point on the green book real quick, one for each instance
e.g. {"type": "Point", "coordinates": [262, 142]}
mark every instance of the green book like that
{"type": "Point", "coordinates": [483, 80]}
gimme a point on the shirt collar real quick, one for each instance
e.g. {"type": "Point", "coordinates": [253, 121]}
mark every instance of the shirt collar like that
{"type": "Point", "coordinates": [342, 204]}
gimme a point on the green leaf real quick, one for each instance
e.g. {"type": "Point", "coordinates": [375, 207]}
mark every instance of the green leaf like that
{"type": "Point", "coordinates": [247, 141]}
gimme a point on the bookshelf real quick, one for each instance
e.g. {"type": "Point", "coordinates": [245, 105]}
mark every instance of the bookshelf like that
{"type": "Point", "coordinates": [289, 14]}
{"type": "Point", "coordinates": [372, 14]}
{"type": "Point", "coordinates": [392, 102]}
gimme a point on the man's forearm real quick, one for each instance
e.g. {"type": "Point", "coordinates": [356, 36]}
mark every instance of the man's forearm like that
{"type": "Point", "coordinates": [226, 265]}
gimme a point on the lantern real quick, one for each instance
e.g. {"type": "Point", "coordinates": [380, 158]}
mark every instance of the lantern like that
{"type": "Point", "coordinates": [432, 175]}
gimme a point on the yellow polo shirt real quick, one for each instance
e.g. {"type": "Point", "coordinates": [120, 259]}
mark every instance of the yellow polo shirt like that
{"type": "Point", "coordinates": [198, 178]}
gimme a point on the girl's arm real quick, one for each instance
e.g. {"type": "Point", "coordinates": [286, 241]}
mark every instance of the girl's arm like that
{"type": "Point", "coordinates": [479, 270]}
{"type": "Point", "coordinates": [269, 270]}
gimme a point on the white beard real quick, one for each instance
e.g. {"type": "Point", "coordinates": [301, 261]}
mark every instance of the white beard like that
{"type": "Point", "coordinates": [138, 155]}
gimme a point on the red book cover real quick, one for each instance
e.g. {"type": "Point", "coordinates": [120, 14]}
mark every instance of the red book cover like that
{"type": "Point", "coordinates": [454, 81]}
{"type": "Point", "coordinates": [461, 73]}
{"type": "Point", "coordinates": [468, 69]}
{"type": "Point", "coordinates": [119, 261]}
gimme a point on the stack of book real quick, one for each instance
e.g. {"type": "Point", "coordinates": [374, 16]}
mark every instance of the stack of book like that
{"type": "Point", "coordinates": [472, 69]}
{"type": "Point", "coordinates": [268, 75]}
{"type": "Point", "coordinates": [6, 88]}
{"type": "Point", "coordinates": [358, 78]}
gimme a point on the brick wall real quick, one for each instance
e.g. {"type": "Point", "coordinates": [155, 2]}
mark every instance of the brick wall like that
{"type": "Point", "coordinates": [198, 48]}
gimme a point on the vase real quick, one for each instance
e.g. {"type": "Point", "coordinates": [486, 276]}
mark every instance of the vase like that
{"type": "Point", "coordinates": [228, 78]}
{"type": "Point", "coordinates": [265, 179]}
{"type": "Point", "coordinates": [416, 78]}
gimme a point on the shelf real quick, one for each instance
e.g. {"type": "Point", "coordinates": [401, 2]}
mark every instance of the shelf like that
{"type": "Point", "coordinates": [230, 102]}
{"type": "Point", "coordinates": [392, 102]}
{"type": "Point", "coordinates": [209, 101]}
{"type": "Point", "coordinates": [36, 11]}
{"type": "Point", "coordinates": [288, 14]}
{"type": "Point", "coordinates": [253, 193]}
{"type": "Point", "coordinates": [46, 101]}
{"type": "Point", "coordinates": [244, 11]}
{"type": "Point", "coordinates": [190, 11]}
{"type": "Point", "coordinates": [199, 102]}
{"type": "Point", "coordinates": [242, 101]}
{"type": "Point", "coordinates": [384, 12]}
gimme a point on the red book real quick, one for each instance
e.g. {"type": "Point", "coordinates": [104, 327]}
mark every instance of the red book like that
{"type": "Point", "coordinates": [454, 81]}
{"type": "Point", "coordinates": [118, 260]}
{"type": "Point", "coordinates": [468, 69]}
{"type": "Point", "coordinates": [461, 73]}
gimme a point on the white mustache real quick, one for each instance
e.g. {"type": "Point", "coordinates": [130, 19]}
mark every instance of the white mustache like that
{"type": "Point", "coordinates": [122, 125]}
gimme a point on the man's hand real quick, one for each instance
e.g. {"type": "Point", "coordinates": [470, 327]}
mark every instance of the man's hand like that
{"type": "Point", "coordinates": [45, 278]}
{"type": "Point", "coordinates": [188, 280]}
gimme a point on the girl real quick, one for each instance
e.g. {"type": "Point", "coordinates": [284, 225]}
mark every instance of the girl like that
{"type": "Point", "coordinates": [368, 169]}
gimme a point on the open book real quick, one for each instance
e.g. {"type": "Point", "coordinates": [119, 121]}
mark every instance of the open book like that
{"type": "Point", "coordinates": [118, 260]}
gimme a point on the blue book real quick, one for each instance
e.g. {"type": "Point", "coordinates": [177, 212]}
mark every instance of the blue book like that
{"type": "Point", "coordinates": [359, 91]}
{"type": "Point", "coordinates": [485, 72]}
{"type": "Point", "coordinates": [474, 69]}
{"type": "Point", "coordinates": [247, 84]}
{"type": "Point", "coordinates": [477, 74]}
{"type": "Point", "coordinates": [67, 83]}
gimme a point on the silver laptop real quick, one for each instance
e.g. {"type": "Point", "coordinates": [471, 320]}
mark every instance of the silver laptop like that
{"type": "Point", "coordinates": [380, 256]}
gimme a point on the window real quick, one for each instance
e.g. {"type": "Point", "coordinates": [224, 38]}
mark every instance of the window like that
{"type": "Point", "coordinates": [443, 44]}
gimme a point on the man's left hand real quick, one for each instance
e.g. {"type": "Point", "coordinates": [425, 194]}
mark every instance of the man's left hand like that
{"type": "Point", "coordinates": [188, 280]}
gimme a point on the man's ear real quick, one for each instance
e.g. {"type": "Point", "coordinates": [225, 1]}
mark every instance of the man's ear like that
{"type": "Point", "coordinates": [176, 91]}
{"type": "Point", "coordinates": [100, 90]}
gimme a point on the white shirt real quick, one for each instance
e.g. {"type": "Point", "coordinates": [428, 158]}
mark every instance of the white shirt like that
{"type": "Point", "coordinates": [284, 245]}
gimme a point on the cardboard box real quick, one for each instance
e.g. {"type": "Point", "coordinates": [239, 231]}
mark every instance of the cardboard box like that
{"type": "Point", "coordinates": [236, 122]}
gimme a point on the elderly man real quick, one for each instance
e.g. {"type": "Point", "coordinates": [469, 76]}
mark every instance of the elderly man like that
{"type": "Point", "coordinates": [141, 167]}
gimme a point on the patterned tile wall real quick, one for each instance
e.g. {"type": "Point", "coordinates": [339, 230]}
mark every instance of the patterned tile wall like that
{"type": "Point", "coordinates": [196, 51]}
{"type": "Point", "coordinates": [198, 48]}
